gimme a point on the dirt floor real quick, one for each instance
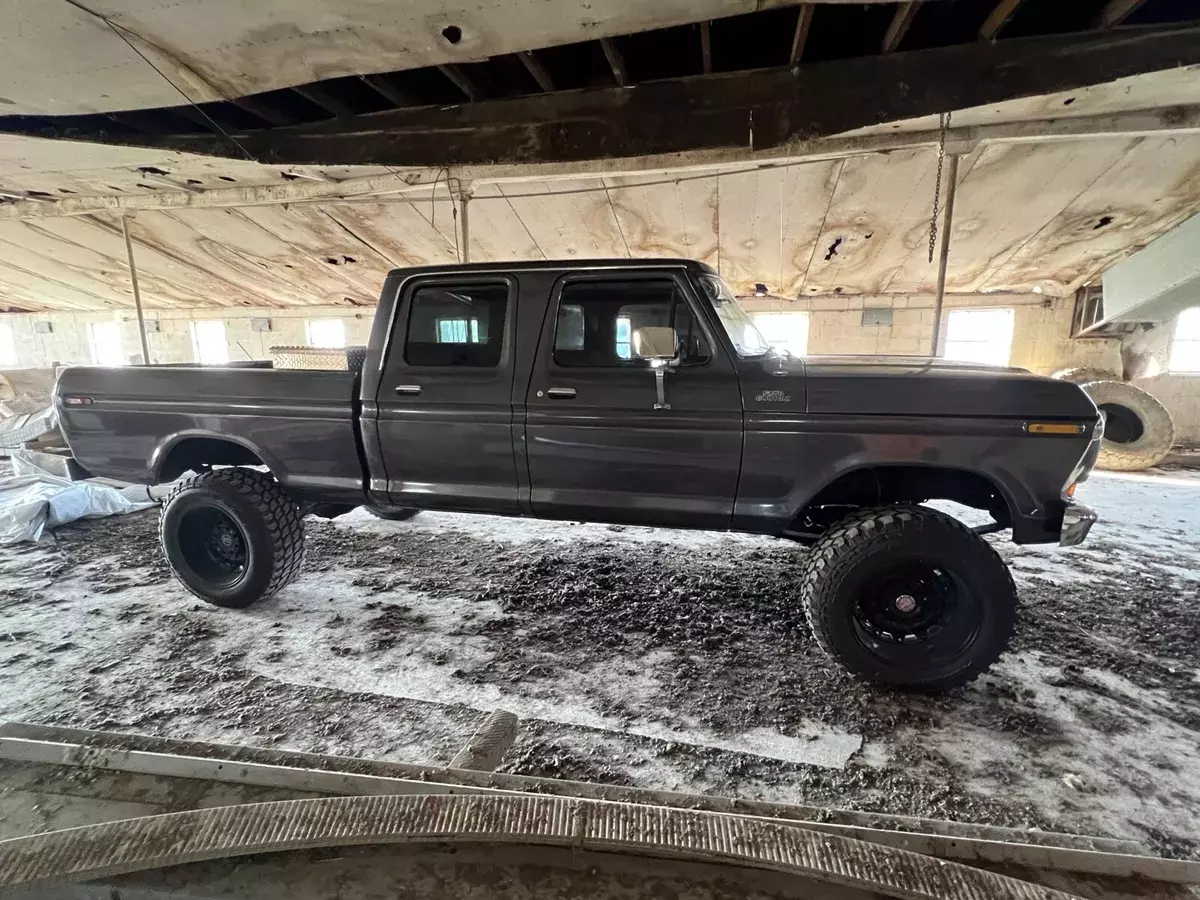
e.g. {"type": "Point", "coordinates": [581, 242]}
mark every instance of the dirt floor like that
{"type": "Point", "coordinates": [640, 656]}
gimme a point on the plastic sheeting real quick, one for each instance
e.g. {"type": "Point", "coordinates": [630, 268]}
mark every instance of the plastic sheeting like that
{"type": "Point", "coordinates": [34, 499]}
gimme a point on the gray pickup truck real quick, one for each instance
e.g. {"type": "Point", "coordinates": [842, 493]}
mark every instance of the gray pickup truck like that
{"type": "Point", "coordinates": [617, 391]}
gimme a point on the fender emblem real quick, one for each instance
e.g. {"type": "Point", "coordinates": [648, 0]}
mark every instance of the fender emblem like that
{"type": "Point", "coordinates": [773, 397]}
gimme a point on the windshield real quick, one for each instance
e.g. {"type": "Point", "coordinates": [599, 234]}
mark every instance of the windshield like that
{"type": "Point", "coordinates": [737, 324]}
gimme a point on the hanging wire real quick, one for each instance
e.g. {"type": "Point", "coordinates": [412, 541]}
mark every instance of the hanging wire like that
{"type": "Point", "coordinates": [120, 32]}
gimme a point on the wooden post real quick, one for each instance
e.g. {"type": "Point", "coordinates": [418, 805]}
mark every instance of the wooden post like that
{"type": "Point", "coordinates": [464, 203]}
{"type": "Point", "coordinates": [137, 294]}
{"type": "Point", "coordinates": [944, 256]}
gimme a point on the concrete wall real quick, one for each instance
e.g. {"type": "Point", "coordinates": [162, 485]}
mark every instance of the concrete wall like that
{"type": "Point", "coordinates": [1041, 327]}
{"type": "Point", "coordinates": [68, 340]}
{"type": "Point", "coordinates": [1041, 336]}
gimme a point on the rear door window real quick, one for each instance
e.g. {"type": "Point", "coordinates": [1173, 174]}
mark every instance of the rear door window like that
{"type": "Point", "coordinates": [456, 325]}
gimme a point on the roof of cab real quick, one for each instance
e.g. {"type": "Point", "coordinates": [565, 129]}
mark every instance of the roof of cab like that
{"type": "Point", "coordinates": [573, 265]}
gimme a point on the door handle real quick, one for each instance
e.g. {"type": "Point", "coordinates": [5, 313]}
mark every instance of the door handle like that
{"type": "Point", "coordinates": [409, 389]}
{"type": "Point", "coordinates": [561, 393]}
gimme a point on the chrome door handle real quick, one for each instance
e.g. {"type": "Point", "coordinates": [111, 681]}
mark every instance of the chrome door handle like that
{"type": "Point", "coordinates": [409, 389]}
{"type": "Point", "coordinates": [561, 393]}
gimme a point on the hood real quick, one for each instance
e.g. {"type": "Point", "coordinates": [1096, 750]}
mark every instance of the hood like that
{"type": "Point", "coordinates": [906, 386]}
{"type": "Point", "coordinates": [924, 386]}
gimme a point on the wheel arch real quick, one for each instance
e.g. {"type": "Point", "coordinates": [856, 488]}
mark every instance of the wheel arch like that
{"type": "Point", "coordinates": [182, 451]}
{"type": "Point", "coordinates": [873, 484]}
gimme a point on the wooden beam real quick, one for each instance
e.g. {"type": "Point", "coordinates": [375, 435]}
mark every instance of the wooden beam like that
{"type": "Point", "coordinates": [616, 62]}
{"type": "Point", "coordinates": [821, 99]}
{"type": "Point", "coordinates": [997, 19]}
{"type": "Point", "coordinates": [263, 110]}
{"type": "Point", "coordinates": [800, 37]}
{"type": "Point", "coordinates": [461, 81]}
{"type": "Point", "coordinates": [536, 70]}
{"type": "Point", "coordinates": [1117, 11]}
{"type": "Point", "coordinates": [903, 18]}
{"type": "Point", "coordinates": [381, 85]}
{"type": "Point", "coordinates": [324, 98]}
{"type": "Point", "coordinates": [706, 47]}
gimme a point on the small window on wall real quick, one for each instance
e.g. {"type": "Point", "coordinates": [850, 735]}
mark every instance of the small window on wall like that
{"type": "Point", "coordinates": [330, 333]}
{"type": "Point", "coordinates": [980, 336]}
{"type": "Point", "coordinates": [457, 325]}
{"type": "Point", "coordinates": [104, 342]}
{"type": "Point", "coordinates": [1185, 346]}
{"type": "Point", "coordinates": [8, 346]}
{"type": "Point", "coordinates": [597, 321]}
{"type": "Point", "coordinates": [209, 347]}
{"type": "Point", "coordinates": [784, 330]}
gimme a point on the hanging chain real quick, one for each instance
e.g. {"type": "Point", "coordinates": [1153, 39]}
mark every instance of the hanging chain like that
{"type": "Point", "coordinates": [944, 123]}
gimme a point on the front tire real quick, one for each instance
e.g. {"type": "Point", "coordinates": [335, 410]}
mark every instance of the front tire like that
{"type": "Point", "coordinates": [908, 597]}
{"type": "Point", "coordinates": [232, 536]}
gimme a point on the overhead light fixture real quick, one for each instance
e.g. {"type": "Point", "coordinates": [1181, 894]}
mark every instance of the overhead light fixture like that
{"type": "Point", "coordinates": [760, 290]}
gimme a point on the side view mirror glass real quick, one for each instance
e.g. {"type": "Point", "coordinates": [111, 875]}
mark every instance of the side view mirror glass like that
{"type": "Point", "coordinates": [655, 343]}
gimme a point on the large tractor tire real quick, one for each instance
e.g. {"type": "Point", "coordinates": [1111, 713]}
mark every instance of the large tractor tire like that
{"type": "Point", "coordinates": [232, 536]}
{"type": "Point", "coordinates": [908, 597]}
{"type": "Point", "coordinates": [1083, 375]}
{"type": "Point", "coordinates": [1138, 431]}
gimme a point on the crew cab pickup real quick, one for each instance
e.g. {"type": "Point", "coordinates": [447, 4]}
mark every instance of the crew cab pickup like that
{"type": "Point", "coordinates": [617, 391]}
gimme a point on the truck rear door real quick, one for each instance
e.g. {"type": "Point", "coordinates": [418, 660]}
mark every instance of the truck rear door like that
{"type": "Point", "coordinates": [445, 417]}
{"type": "Point", "coordinates": [597, 447]}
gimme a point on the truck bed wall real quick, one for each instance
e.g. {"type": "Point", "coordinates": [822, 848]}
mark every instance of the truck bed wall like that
{"type": "Point", "coordinates": [299, 423]}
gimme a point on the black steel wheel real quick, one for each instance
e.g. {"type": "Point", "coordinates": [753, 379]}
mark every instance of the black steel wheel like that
{"type": "Point", "coordinates": [910, 597]}
{"type": "Point", "coordinates": [232, 536]}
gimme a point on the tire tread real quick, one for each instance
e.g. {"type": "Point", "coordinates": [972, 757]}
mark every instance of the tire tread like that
{"type": "Point", "coordinates": [285, 525]}
{"type": "Point", "coordinates": [841, 548]}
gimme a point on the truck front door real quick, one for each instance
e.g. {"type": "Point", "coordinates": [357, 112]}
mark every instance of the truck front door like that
{"type": "Point", "coordinates": [445, 414]}
{"type": "Point", "coordinates": [597, 446]}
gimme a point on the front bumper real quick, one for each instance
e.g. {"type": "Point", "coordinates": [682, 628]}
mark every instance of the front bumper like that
{"type": "Point", "coordinates": [1077, 522]}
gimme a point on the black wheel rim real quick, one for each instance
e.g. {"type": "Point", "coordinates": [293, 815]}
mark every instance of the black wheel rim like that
{"type": "Point", "coordinates": [915, 610]}
{"type": "Point", "coordinates": [213, 546]}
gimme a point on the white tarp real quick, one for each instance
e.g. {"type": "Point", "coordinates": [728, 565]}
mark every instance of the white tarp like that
{"type": "Point", "coordinates": [33, 499]}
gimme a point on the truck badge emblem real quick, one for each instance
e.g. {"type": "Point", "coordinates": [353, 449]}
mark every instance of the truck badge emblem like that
{"type": "Point", "coordinates": [773, 397]}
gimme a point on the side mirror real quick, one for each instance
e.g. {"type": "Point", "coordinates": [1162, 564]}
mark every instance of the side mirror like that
{"type": "Point", "coordinates": [657, 343]}
{"type": "Point", "coordinates": [660, 346]}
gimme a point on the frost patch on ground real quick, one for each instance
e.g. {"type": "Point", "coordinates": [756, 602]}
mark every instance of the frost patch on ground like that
{"type": "Point", "coordinates": [661, 658]}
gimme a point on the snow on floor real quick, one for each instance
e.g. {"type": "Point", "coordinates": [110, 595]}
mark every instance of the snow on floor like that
{"type": "Point", "coordinates": [1089, 724]}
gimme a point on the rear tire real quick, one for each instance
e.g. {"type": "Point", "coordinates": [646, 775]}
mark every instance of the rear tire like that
{"type": "Point", "coordinates": [908, 597]}
{"type": "Point", "coordinates": [399, 514]}
{"type": "Point", "coordinates": [1138, 430]}
{"type": "Point", "coordinates": [232, 536]}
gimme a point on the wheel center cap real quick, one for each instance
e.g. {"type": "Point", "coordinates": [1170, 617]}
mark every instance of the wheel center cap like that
{"type": "Point", "coordinates": [227, 539]}
{"type": "Point", "coordinates": [906, 603]}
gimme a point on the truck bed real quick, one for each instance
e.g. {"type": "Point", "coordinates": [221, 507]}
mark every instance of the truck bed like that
{"type": "Point", "coordinates": [135, 423]}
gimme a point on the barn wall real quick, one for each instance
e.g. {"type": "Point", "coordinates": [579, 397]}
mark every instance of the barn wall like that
{"type": "Point", "coordinates": [1041, 336]}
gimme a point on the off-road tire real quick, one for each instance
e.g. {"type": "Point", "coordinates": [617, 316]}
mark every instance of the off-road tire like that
{"type": "Point", "coordinates": [872, 539]}
{"type": "Point", "coordinates": [1158, 429]}
{"type": "Point", "coordinates": [270, 522]}
{"type": "Point", "coordinates": [1084, 375]}
{"type": "Point", "coordinates": [401, 514]}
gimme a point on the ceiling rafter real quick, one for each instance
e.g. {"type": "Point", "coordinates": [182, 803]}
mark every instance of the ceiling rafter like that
{"type": "Point", "coordinates": [616, 61]}
{"type": "Point", "coordinates": [460, 80]}
{"type": "Point", "coordinates": [998, 18]}
{"type": "Point", "coordinates": [902, 19]}
{"type": "Point", "coordinates": [536, 70]}
{"type": "Point", "coordinates": [800, 36]}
